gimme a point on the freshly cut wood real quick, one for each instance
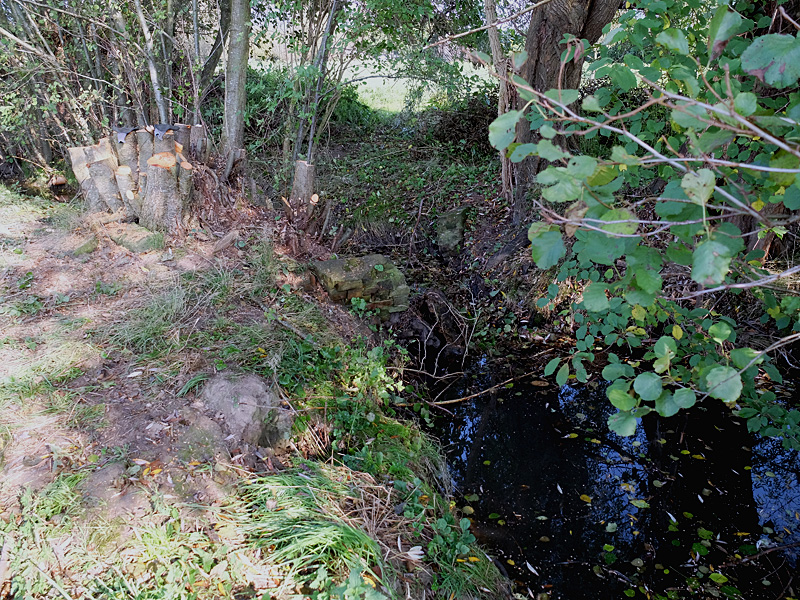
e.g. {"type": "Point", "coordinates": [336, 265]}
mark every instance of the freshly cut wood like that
{"type": "Point", "coordinates": [103, 174]}
{"type": "Point", "coordinates": [164, 160]}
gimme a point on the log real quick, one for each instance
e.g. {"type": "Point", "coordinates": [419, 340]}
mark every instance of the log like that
{"type": "Point", "coordinates": [144, 143]}
{"type": "Point", "coordinates": [146, 176]}
{"type": "Point", "coordinates": [166, 143]}
{"type": "Point", "coordinates": [176, 211]}
{"type": "Point", "coordinates": [103, 175]}
{"type": "Point", "coordinates": [127, 190]}
{"type": "Point", "coordinates": [198, 144]}
{"type": "Point", "coordinates": [162, 189]}
{"type": "Point", "coordinates": [128, 152]}
{"type": "Point", "coordinates": [182, 137]}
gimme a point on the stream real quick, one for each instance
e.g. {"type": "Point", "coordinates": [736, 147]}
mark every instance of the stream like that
{"type": "Point", "coordinates": [572, 511]}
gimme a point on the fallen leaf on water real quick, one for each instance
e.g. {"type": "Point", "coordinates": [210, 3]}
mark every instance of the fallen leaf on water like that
{"type": "Point", "coordinates": [540, 383]}
{"type": "Point", "coordinates": [468, 510]}
{"type": "Point", "coordinates": [511, 562]}
{"type": "Point", "coordinates": [586, 498]}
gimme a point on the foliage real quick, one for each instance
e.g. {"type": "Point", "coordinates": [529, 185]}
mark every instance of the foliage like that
{"type": "Point", "coordinates": [695, 199]}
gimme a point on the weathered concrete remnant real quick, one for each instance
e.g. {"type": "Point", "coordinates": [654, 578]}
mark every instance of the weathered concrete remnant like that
{"type": "Point", "coordinates": [450, 230]}
{"type": "Point", "coordinates": [374, 278]}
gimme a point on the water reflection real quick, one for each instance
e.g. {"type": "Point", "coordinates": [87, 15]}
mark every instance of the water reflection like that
{"type": "Point", "coordinates": [577, 512]}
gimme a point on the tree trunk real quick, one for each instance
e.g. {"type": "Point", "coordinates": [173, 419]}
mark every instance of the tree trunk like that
{"type": "Point", "coordinates": [235, 77]}
{"type": "Point", "coordinates": [503, 100]}
{"type": "Point", "coordinates": [581, 18]}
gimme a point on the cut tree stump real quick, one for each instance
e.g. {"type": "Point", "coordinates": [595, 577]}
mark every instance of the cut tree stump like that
{"type": "Point", "coordinates": [148, 175]}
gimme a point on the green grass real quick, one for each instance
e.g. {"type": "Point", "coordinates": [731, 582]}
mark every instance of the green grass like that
{"type": "Point", "coordinates": [300, 517]}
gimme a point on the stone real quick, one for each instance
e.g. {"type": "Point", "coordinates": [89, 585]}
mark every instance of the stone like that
{"type": "Point", "coordinates": [450, 230]}
{"type": "Point", "coordinates": [373, 277]}
{"type": "Point", "coordinates": [135, 238]}
{"type": "Point", "coordinates": [203, 440]}
{"type": "Point", "coordinates": [249, 409]}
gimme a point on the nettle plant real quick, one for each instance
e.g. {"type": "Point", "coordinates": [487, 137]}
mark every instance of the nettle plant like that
{"type": "Point", "coordinates": [663, 187]}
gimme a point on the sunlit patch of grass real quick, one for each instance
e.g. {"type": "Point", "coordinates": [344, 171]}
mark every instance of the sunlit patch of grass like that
{"type": "Point", "coordinates": [301, 517]}
{"type": "Point", "coordinates": [152, 328]}
{"type": "Point", "coordinates": [79, 413]}
{"type": "Point", "coordinates": [58, 362]}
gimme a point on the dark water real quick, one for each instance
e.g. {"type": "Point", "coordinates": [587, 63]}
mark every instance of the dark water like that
{"type": "Point", "coordinates": [576, 512]}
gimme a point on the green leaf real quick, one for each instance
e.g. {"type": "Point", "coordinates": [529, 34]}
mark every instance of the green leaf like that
{"type": "Point", "coordinates": [617, 370]}
{"type": "Point", "coordinates": [791, 199]}
{"type": "Point", "coordinates": [565, 97]}
{"type": "Point", "coordinates": [622, 77]}
{"type": "Point", "coordinates": [619, 214]}
{"type": "Point", "coordinates": [648, 386]}
{"type": "Point", "coordinates": [713, 139]}
{"type": "Point", "coordinates": [724, 25]}
{"type": "Point", "coordinates": [674, 39]}
{"type": "Point", "coordinates": [774, 59]}
{"type": "Point", "coordinates": [622, 423]}
{"type": "Point", "coordinates": [523, 151]}
{"type": "Point", "coordinates": [640, 503]}
{"type": "Point", "coordinates": [602, 176]}
{"type": "Point", "coordinates": [710, 263]}
{"type": "Point", "coordinates": [666, 346]}
{"type": "Point", "coordinates": [647, 279]}
{"type": "Point", "coordinates": [620, 399]}
{"type": "Point", "coordinates": [520, 58]}
{"type": "Point", "coordinates": [741, 357]}
{"type": "Point", "coordinates": [724, 383]}
{"type": "Point", "coordinates": [618, 154]}
{"type": "Point", "coordinates": [699, 186]}
{"type": "Point", "coordinates": [503, 129]}
{"type": "Point", "coordinates": [547, 131]}
{"type": "Point", "coordinates": [549, 151]}
{"type": "Point", "coordinates": [547, 247]}
{"type": "Point", "coordinates": [689, 115]}
{"type": "Point", "coordinates": [566, 187]}
{"type": "Point", "coordinates": [745, 103]}
{"type": "Point", "coordinates": [668, 404]}
{"type": "Point", "coordinates": [684, 398]}
{"type": "Point", "coordinates": [591, 104]}
{"type": "Point", "coordinates": [563, 374]}
{"type": "Point", "coordinates": [550, 368]}
{"type": "Point", "coordinates": [594, 298]}
{"type": "Point", "coordinates": [582, 167]}
{"type": "Point", "coordinates": [720, 332]}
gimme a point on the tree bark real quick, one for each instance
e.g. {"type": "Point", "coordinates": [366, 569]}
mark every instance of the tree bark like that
{"type": "Point", "coordinates": [235, 77]}
{"type": "Point", "coordinates": [501, 67]}
{"type": "Point", "coordinates": [584, 19]}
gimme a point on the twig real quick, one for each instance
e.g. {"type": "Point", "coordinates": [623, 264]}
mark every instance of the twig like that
{"type": "Point", "coordinates": [788, 18]}
{"type": "Point", "coordinates": [489, 26]}
{"type": "Point", "coordinates": [481, 393]}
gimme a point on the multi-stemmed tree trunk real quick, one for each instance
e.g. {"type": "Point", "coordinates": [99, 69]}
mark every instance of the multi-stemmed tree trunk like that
{"type": "Point", "coordinates": [581, 18]}
{"type": "Point", "coordinates": [235, 78]}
